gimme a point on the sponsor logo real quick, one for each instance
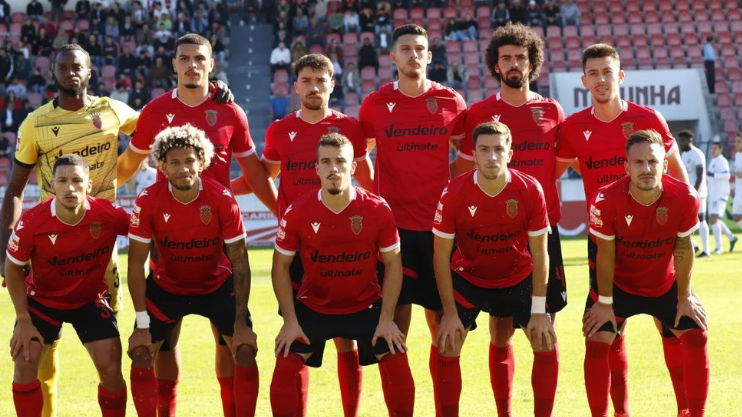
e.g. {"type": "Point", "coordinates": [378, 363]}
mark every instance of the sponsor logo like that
{"type": "Point", "coordinates": [53, 238]}
{"type": "Point", "coordinates": [595, 219]}
{"type": "Point", "coordinates": [18, 144]}
{"type": "Point", "coordinates": [661, 215]}
{"type": "Point", "coordinates": [627, 129]}
{"type": "Point", "coordinates": [340, 257]}
{"type": "Point", "coordinates": [629, 219]}
{"type": "Point", "coordinates": [531, 146]}
{"type": "Point", "coordinates": [89, 150]}
{"type": "Point", "coordinates": [55, 130]}
{"type": "Point", "coordinates": [438, 217]}
{"type": "Point", "coordinates": [205, 214]}
{"type": "Point", "coordinates": [97, 121]}
{"type": "Point", "coordinates": [315, 227]}
{"type": "Point", "coordinates": [170, 117]}
{"type": "Point", "coordinates": [604, 163]}
{"type": "Point", "coordinates": [55, 261]}
{"type": "Point", "coordinates": [166, 216]}
{"type": "Point", "coordinates": [299, 165]}
{"type": "Point", "coordinates": [13, 242]}
{"type": "Point", "coordinates": [95, 229]}
{"type": "Point", "coordinates": [495, 237]}
{"type": "Point", "coordinates": [390, 106]}
{"type": "Point", "coordinates": [356, 224]}
{"type": "Point", "coordinates": [472, 210]}
{"type": "Point", "coordinates": [645, 244]}
{"type": "Point", "coordinates": [210, 117]}
{"type": "Point", "coordinates": [432, 105]}
{"type": "Point", "coordinates": [400, 132]}
{"type": "Point", "coordinates": [191, 244]}
{"type": "Point", "coordinates": [292, 135]}
{"type": "Point", "coordinates": [587, 134]}
{"type": "Point", "coordinates": [511, 207]}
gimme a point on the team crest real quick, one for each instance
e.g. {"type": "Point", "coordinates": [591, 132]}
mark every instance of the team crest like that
{"type": "Point", "coordinates": [333, 129]}
{"type": "Point", "coordinates": [356, 224]}
{"type": "Point", "coordinates": [97, 121]}
{"type": "Point", "coordinates": [662, 215]}
{"type": "Point", "coordinates": [205, 214]}
{"type": "Point", "coordinates": [512, 208]}
{"type": "Point", "coordinates": [538, 115]}
{"type": "Point", "coordinates": [210, 117]}
{"type": "Point", "coordinates": [95, 229]}
{"type": "Point", "coordinates": [627, 129]}
{"type": "Point", "coordinates": [432, 105]}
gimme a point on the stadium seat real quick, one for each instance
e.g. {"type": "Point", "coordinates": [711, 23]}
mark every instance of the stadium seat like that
{"type": "Point", "coordinates": [600, 7]}
{"type": "Point", "coordinates": [348, 51]}
{"type": "Point", "coordinates": [434, 25]}
{"type": "Point", "coordinates": [453, 47]}
{"type": "Point", "coordinates": [635, 17]}
{"type": "Point", "coordinates": [18, 17]}
{"type": "Point", "coordinates": [623, 41]}
{"type": "Point", "coordinates": [34, 99]}
{"type": "Point", "coordinates": [737, 87]}
{"type": "Point", "coordinates": [661, 55]}
{"type": "Point", "coordinates": [400, 14]}
{"type": "Point", "coordinates": [474, 82]}
{"type": "Point", "coordinates": [730, 63]}
{"type": "Point", "coordinates": [623, 30]}
{"type": "Point", "coordinates": [632, 6]}
{"type": "Point", "coordinates": [352, 111]}
{"type": "Point", "coordinates": [723, 99]}
{"type": "Point", "coordinates": [333, 36]}
{"type": "Point", "coordinates": [727, 113]}
{"type": "Point", "coordinates": [604, 33]}
{"type": "Point", "coordinates": [3, 178]}
{"type": "Point", "coordinates": [433, 13]}
{"type": "Point", "coordinates": [450, 12]}
{"type": "Point", "coordinates": [618, 19]}
{"type": "Point", "coordinates": [157, 92]}
{"type": "Point", "coordinates": [11, 138]}
{"type": "Point", "coordinates": [677, 54]}
{"type": "Point", "coordinates": [417, 13]}
{"type": "Point", "coordinates": [466, 10]}
{"type": "Point", "coordinates": [367, 86]}
{"type": "Point", "coordinates": [574, 57]}
{"type": "Point", "coordinates": [653, 17]}
{"type": "Point", "coordinates": [385, 61]}
{"type": "Point", "coordinates": [474, 96]}
{"type": "Point", "coordinates": [483, 11]}
{"type": "Point", "coordinates": [674, 41]}
{"type": "Point", "coordinates": [637, 29]}
{"type": "Point", "coordinates": [368, 73]}
{"type": "Point", "coordinates": [640, 41]}
{"type": "Point", "coordinates": [385, 75]}
{"type": "Point", "coordinates": [473, 68]}
{"type": "Point", "coordinates": [734, 15]}
{"type": "Point", "coordinates": [648, 6]}
{"type": "Point", "coordinates": [454, 57]}
{"type": "Point", "coordinates": [352, 99]}
{"type": "Point", "coordinates": [471, 47]}
{"type": "Point", "coordinates": [728, 50]}
{"type": "Point", "coordinates": [731, 126]}
{"type": "Point", "coordinates": [643, 56]}
{"type": "Point", "coordinates": [281, 76]}
{"type": "Point", "coordinates": [350, 38]}
{"type": "Point", "coordinates": [573, 42]}
{"type": "Point", "coordinates": [555, 43]}
{"type": "Point", "coordinates": [368, 35]}
{"type": "Point", "coordinates": [316, 49]}
{"type": "Point", "coordinates": [602, 19]}
{"type": "Point", "coordinates": [666, 6]}
{"type": "Point", "coordinates": [715, 5]}
{"type": "Point", "coordinates": [471, 58]}
{"type": "Point", "coordinates": [682, 5]}
{"type": "Point", "coordinates": [67, 26]}
{"type": "Point", "coordinates": [657, 40]}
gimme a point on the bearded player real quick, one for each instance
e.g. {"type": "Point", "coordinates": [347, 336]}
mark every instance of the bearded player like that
{"type": "Point", "coordinates": [642, 226]}
{"type": "Point", "coordinates": [596, 138]}
{"type": "Point", "coordinates": [412, 122]}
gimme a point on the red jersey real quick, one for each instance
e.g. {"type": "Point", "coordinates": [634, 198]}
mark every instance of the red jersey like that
{"type": "Point", "coordinates": [339, 251]}
{"type": "Point", "coordinates": [188, 237]}
{"type": "Point", "coordinates": [492, 231]}
{"type": "Point", "coordinates": [412, 138]}
{"type": "Point", "coordinates": [645, 235]}
{"type": "Point", "coordinates": [600, 146]}
{"type": "Point", "coordinates": [292, 143]}
{"type": "Point", "coordinates": [68, 262]}
{"type": "Point", "coordinates": [225, 126]}
{"type": "Point", "coordinates": [534, 126]}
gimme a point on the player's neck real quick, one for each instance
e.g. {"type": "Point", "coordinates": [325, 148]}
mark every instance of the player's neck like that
{"type": "Point", "coordinates": [645, 197]}
{"type": "Point", "coordinates": [193, 96]}
{"type": "Point", "coordinates": [73, 102]}
{"type": "Point", "coordinates": [186, 196]}
{"type": "Point", "coordinates": [69, 216]}
{"type": "Point", "coordinates": [413, 87]}
{"type": "Point", "coordinates": [313, 116]}
{"type": "Point", "coordinates": [492, 187]}
{"type": "Point", "coordinates": [515, 96]}
{"type": "Point", "coordinates": [608, 111]}
{"type": "Point", "coordinates": [338, 202]}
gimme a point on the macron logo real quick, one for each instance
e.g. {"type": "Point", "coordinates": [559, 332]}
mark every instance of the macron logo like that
{"type": "Point", "coordinates": [496, 118]}
{"type": "Point", "coordinates": [53, 238]}
{"type": "Point", "coordinates": [170, 117]}
{"type": "Point", "coordinates": [390, 106]}
{"type": "Point", "coordinates": [587, 134]}
{"type": "Point", "coordinates": [473, 210]}
{"type": "Point", "coordinates": [292, 135]}
{"type": "Point", "coordinates": [226, 192]}
{"type": "Point", "coordinates": [629, 218]}
{"type": "Point", "coordinates": [166, 216]}
{"type": "Point", "coordinates": [599, 198]}
{"type": "Point", "coordinates": [20, 225]}
{"type": "Point", "coordinates": [315, 226]}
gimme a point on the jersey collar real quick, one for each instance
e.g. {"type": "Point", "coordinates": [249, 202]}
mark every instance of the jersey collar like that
{"type": "Point", "coordinates": [428, 86]}
{"type": "Point", "coordinates": [624, 107]}
{"type": "Point", "coordinates": [328, 113]}
{"type": "Point", "coordinates": [200, 188]}
{"type": "Point", "coordinates": [174, 96]}
{"type": "Point", "coordinates": [507, 176]}
{"type": "Point", "coordinates": [54, 211]}
{"type": "Point", "coordinates": [353, 194]}
{"type": "Point", "coordinates": [531, 96]}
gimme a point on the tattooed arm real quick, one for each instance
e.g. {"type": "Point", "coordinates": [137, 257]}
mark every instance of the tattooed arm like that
{"type": "Point", "coordinates": [688, 305]}
{"type": "Point", "coordinates": [237, 252]}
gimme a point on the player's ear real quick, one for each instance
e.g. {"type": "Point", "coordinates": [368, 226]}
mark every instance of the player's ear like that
{"type": "Point", "coordinates": [353, 167]}
{"type": "Point", "coordinates": [90, 187]}
{"type": "Point", "coordinates": [665, 164]}
{"type": "Point", "coordinates": [430, 56]}
{"type": "Point", "coordinates": [621, 76]}
{"type": "Point", "coordinates": [583, 78]}
{"type": "Point", "coordinates": [212, 64]}
{"type": "Point", "coordinates": [510, 154]}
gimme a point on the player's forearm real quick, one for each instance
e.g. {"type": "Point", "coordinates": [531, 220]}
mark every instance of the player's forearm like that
{"type": "Point", "coordinates": [540, 273]}
{"type": "Point", "coordinates": [11, 212]}
{"type": "Point", "coordinates": [606, 267]}
{"type": "Point", "coordinates": [443, 279]}
{"type": "Point", "coordinates": [17, 290]}
{"type": "Point", "coordinates": [683, 256]}
{"type": "Point", "coordinates": [260, 182]}
{"type": "Point", "coordinates": [242, 279]}
{"type": "Point", "coordinates": [365, 174]}
{"type": "Point", "coordinates": [700, 178]}
{"type": "Point", "coordinates": [284, 292]}
{"type": "Point", "coordinates": [126, 165]}
{"type": "Point", "coordinates": [392, 286]}
{"type": "Point", "coordinates": [240, 186]}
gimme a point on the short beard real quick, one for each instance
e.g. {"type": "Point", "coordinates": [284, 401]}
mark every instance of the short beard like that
{"type": "Point", "coordinates": [310, 106]}
{"type": "Point", "coordinates": [514, 83]}
{"type": "Point", "coordinates": [72, 92]}
{"type": "Point", "coordinates": [182, 187]}
{"type": "Point", "coordinates": [412, 74]}
{"type": "Point", "coordinates": [191, 86]}
{"type": "Point", "coordinates": [334, 191]}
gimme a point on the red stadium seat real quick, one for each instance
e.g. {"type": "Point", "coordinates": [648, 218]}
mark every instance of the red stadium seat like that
{"type": "Point", "coordinates": [454, 57]}
{"type": "Point", "coordinates": [368, 35]}
{"type": "Point", "coordinates": [601, 19]}
{"type": "Point", "coordinates": [653, 17]}
{"type": "Point", "coordinates": [731, 63]}
{"type": "Point", "coordinates": [453, 47]}
{"type": "Point", "coordinates": [618, 19]}
{"type": "Point", "coordinates": [483, 11]}
{"type": "Point", "coordinates": [643, 56]}
{"type": "Point", "coordinates": [470, 58]}
{"type": "Point", "coordinates": [83, 25]}
{"type": "Point", "coordinates": [738, 100]}
{"type": "Point", "coordinates": [731, 126]}
{"type": "Point", "coordinates": [637, 29]}
{"type": "Point", "coordinates": [675, 41]}
{"type": "Point", "coordinates": [474, 82]}
{"type": "Point", "coordinates": [632, 6]}
{"type": "Point", "coordinates": [737, 87]}
{"type": "Point", "coordinates": [368, 73]}
{"type": "Point", "coordinates": [385, 75]}
{"type": "Point", "coordinates": [575, 58]}
{"type": "Point", "coordinates": [332, 36]}
{"type": "Point", "coordinates": [281, 76]}
{"type": "Point", "coordinates": [615, 7]}
{"type": "Point", "coordinates": [573, 42]}
{"type": "Point", "coordinates": [350, 38]}
{"type": "Point", "coordinates": [727, 113]}
{"type": "Point", "coordinates": [469, 10]}
{"type": "Point", "coordinates": [472, 68]}
{"type": "Point", "coordinates": [604, 33]}
{"type": "Point", "coordinates": [682, 5]}
{"type": "Point", "coordinates": [417, 13]}
{"type": "Point", "coordinates": [433, 13]}
{"type": "Point", "coordinates": [555, 43]}
{"type": "Point", "coordinates": [600, 7]}
{"type": "Point", "coordinates": [661, 55]}
{"type": "Point", "coordinates": [734, 15]}
{"type": "Point", "coordinates": [157, 92]}
{"type": "Point", "coordinates": [352, 99]}
{"type": "Point", "coordinates": [718, 16]}
{"type": "Point", "coordinates": [723, 99]}
{"type": "Point", "coordinates": [348, 51]}
{"type": "Point", "coordinates": [715, 5]}
{"type": "Point", "coordinates": [635, 17]}
{"type": "Point", "coordinates": [666, 6]}
{"type": "Point", "coordinates": [640, 41]}
{"type": "Point", "coordinates": [34, 99]}
{"type": "Point", "coordinates": [654, 29]}
{"type": "Point", "coordinates": [471, 47]}
{"type": "Point", "coordinates": [728, 50]}
{"type": "Point", "coordinates": [450, 12]}
{"type": "Point", "coordinates": [474, 95]}
{"type": "Point", "coordinates": [648, 6]}
{"type": "Point", "coordinates": [623, 41]}
{"type": "Point", "coordinates": [400, 14]}
{"type": "Point", "coordinates": [385, 61]}
{"type": "Point", "coordinates": [352, 111]}
{"type": "Point", "coordinates": [316, 49]}
{"type": "Point", "coordinates": [677, 54]}
{"type": "Point", "coordinates": [557, 58]}
{"type": "Point", "coordinates": [367, 86]}
{"type": "Point", "coordinates": [657, 40]}
{"type": "Point", "coordinates": [623, 30]}
{"type": "Point", "coordinates": [67, 26]}
{"type": "Point", "coordinates": [17, 17]}
{"type": "Point", "coordinates": [570, 31]}
{"type": "Point", "coordinates": [434, 25]}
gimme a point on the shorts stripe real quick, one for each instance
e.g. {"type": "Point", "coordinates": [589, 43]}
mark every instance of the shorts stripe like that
{"type": "Point", "coordinates": [159, 314]}
{"type": "Point", "coordinates": [462, 301]}
{"type": "Point", "coordinates": [410, 273]}
{"type": "Point", "coordinates": [44, 317]}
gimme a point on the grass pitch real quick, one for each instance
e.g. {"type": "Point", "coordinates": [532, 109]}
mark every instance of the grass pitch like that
{"type": "Point", "coordinates": [717, 281]}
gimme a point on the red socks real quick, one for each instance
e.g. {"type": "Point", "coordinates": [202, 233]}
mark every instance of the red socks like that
{"type": "Point", "coordinates": [619, 365]}
{"type": "Point", "coordinates": [544, 376]}
{"type": "Point", "coordinates": [167, 395]}
{"type": "Point", "coordinates": [597, 377]}
{"type": "Point", "coordinates": [112, 405]}
{"type": "Point", "coordinates": [284, 396]}
{"type": "Point", "coordinates": [673, 350]}
{"type": "Point", "coordinates": [502, 368]}
{"type": "Point", "coordinates": [448, 381]}
{"type": "Point", "coordinates": [28, 399]}
{"type": "Point", "coordinates": [696, 370]}
{"type": "Point", "coordinates": [400, 388]}
{"type": "Point", "coordinates": [350, 377]}
{"type": "Point", "coordinates": [433, 366]}
{"type": "Point", "coordinates": [246, 384]}
{"type": "Point", "coordinates": [144, 391]}
{"type": "Point", "coordinates": [302, 390]}
{"type": "Point", "coordinates": [226, 391]}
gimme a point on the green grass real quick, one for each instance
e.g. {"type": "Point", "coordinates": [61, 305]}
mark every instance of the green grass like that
{"type": "Point", "coordinates": [716, 281]}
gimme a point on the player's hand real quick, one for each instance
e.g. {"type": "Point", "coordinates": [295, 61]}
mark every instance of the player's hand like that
{"type": "Point", "coordinates": [692, 308]}
{"type": "Point", "coordinates": [220, 92]}
{"type": "Point", "coordinates": [244, 335]}
{"type": "Point", "coordinates": [598, 315]}
{"type": "Point", "coordinates": [23, 334]}
{"type": "Point", "coordinates": [540, 332]}
{"type": "Point", "coordinates": [288, 334]}
{"type": "Point", "coordinates": [450, 332]}
{"type": "Point", "coordinates": [388, 330]}
{"type": "Point", "coordinates": [141, 338]}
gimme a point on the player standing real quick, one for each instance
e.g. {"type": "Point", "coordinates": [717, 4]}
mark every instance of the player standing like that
{"type": "Point", "coordinates": [642, 225]}
{"type": "Point", "coordinates": [413, 120]}
{"type": "Point", "coordinates": [737, 203]}
{"type": "Point", "coordinates": [695, 166]}
{"type": "Point", "coordinates": [719, 189]}
{"type": "Point", "coordinates": [68, 240]}
{"type": "Point", "coordinates": [339, 231]}
{"type": "Point", "coordinates": [226, 126]}
{"type": "Point", "coordinates": [498, 217]}
{"type": "Point", "coordinates": [291, 150]}
{"type": "Point", "coordinates": [515, 55]}
{"type": "Point", "coordinates": [190, 218]}
{"type": "Point", "coordinates": [596, 138]}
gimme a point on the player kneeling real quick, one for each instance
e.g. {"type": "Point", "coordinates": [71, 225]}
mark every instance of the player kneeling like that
{"type": "Point", "coordinates": [190, 218]}
{"type": "Point", "coordinates": [643, 225]}
{"type": "Point", "coordinates": [69, 240]}
{"type": "Point", "coordinates": [498, 217]}
{"type": "Point", "coordinates": [339, 232]}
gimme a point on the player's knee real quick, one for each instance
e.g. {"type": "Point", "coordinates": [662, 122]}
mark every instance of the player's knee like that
{"type": "Point", "coordinates": [245, 356]}
{"type": "Point", "coordinates": [694, 339]}
{"type": "Point", "coordinates": [141, 358]}
{"type": "Point", "coordinates": [452, 349]}
{"type": "Point", "coordinates": [737, 218]}
{"type": "Point", "coordinates": [25, 369]}
{"type": "Point", "coordinates": [501, 331]}
{"type": "Point", "coordinates": [602, 337]}
{"type": "Point", "coordinates": [344, 345]}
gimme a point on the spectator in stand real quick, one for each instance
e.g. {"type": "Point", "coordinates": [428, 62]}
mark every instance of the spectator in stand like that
{"type": "Point", "coordinates": [163, 37]}
{"type": "Point", "coordinates": [184, 6]}
{"type": "Point", "coordinates": [35, 11]}
{"type": "Point", "coordinates": [367, 56]}
{"type": "Point", "coordinates": [22, 67]}
{"type": "Point", "coordinates": [95, 51]}
{"type": "Point", "coordinates": [79, 38]}
{"type": "Point", "coordinates": [218, 74]}
{"type": "Point", "coordinates": [279, 105]}
{"type": "Point", "coordinates": [337, 96]}
{"type": "Point", "coordinates": [709, 60]}
{"type": "Point", "coordinates": [439, 52]}
{"type": "Point", "coordinates": [500, 15]}
{"type": "Point", "coordinates": [51, 28]}
{"type": "Point", "coordinates": [26, 110]}
{"type": "Point", "coordinates": [28, 32]}
{"type": "Point", "coordinates": [281, 37]}
{"type": "Point", "coordinates": [37, 82]}
{"type": "Point", "coordinates": [384, 41]}
{"type": "Point", "coordinates": [127, 64]}
{"type": "Point", "coordinates": [111, 28]}
{"type": "Point", "coordinates": [82, 10]}
{"type": "Point", "coordinates": [16, 89]}
{"type": "Point", "coordinates": [143, 64]}
{"type": "Point", "coordinates": [283, 8]}
{"type": "Point", "coordinates": [551, 14]}
{"type": "Point", "coordinates": [57, 10]}
{"type": "Point", "coordinates": [280, 58]}
{"type": "Point", "coordinates": [128, 30]}
{"type": "Point", "coordinates": [452, 29]}
{"type": "Point", "coordinates": [165, 20]}
{"type": "Point", "coordinates": [469, 28]}
{"type": "Point", "coordinates": [337, 68]}
{"type": "Point", "coordinates": [10, 97]}
{"type": "Point", "coordinates": [533, 14]}
{"type": "Point", "coordinates": [298, 50]}
{"type": "Point", "coordinates": [352, 22]}
{"type": "Point", "coordinates": [5, 13]}
{"type": "Point", "coordinates": [110, 52]}
{"type": "Point", "coordinates": [438, 73]}
{"type": "Point", "coordinates": [218, 13]}
{"type": "Point", "coordinates": [120, 93]}
{"type": "Point", "coordinates": [367, 20]}
{"type": "Point", "coordinates": [299, 24]}
{"type": "Point", "coordinates": [139, 96]}
{"type": "Point", "coordinates": [98, 17]}
{"type": "Point", "coordinates": [336, 23]}
{"type": "Point", "coordinates": [158, 10]}
{"type": "Point", "coordinates": [163, 53]}
{"type": "Point", "coordinates": [138, 15]}
{"type": "Point", "coordinates": [217, 49]}
{"type": "Point", "coordinates": [12, 117]}
{"type": "Point", "coordinates": [159, 74]}
{"type": "Point", "coordinates": [5, 151]}
{"type": "Point", "coordinates": [182, 25]}
{"type": "Point", "coordinates": [61, 39]}
{"type": "Point", "coordinates": [349, 5]}
{"type": "Point", "coordinates": [145, 36]}
{"type": "Point", "coordinates": [117, 12]}
{"type": "Point", "coordinates": [43, 45]}
{"type": "Point", "coordinates": [570, 13]}
{"type": "Point", "coordinates": [457, 77]}
{"type": "Point", "coordinates": [334, 48]}
{"type": "Point", "coordinates": [199, 22]}
{"type": "Point", "coordinates": [351, 79]}
{"type": "Point", "coordinates": [383, 17]}
{"type": "Point", "coordinates": [518, 12]}
{"type": "Point", "coordinates": [218, 30]}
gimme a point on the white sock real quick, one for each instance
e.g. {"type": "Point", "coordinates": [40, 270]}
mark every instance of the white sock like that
{"type": "Point", "coordinates": [703, 230]}
{"type": "Point", "coordinates": [725, 229]}
{"type": "Point", "coordinates": [716, 227]}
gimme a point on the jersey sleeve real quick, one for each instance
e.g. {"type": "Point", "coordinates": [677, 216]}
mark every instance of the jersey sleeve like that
{"type": "Point", "coordinates": [564, 151]}
{"type": "Point", "coordinates": [146, 131]}
{"type": "Point", "coordinates": [128, 117]}
{"type": "Point", "coordinates": [287, 238]}
{"type": "Point", "coordinates": [271, 153]}
{"type": "Point", "coordinates": [121, 220]}
{"type": "Point", "coordinates": [26, 149]}
{"type": "Point", "coordinates": [388, 235]}
{"type": "Point", "coordinates": [358, 140]}
{"type": "Point", "coordinates": [230, 218]}
{"type": "Point", "coordinates": [20, 244]}
{"type": "Point", "coordinates": [466, 146]}
{"type": "Point", "coordinates": [664, 130]}
{"type": "Point", "coordinates": [690, 222]}
{"type": "Point", "coordinates": [140, 223]}
{"type": "Point", "coordinates": [538, 221]}
{"type": "Point", "coordinates": [444, 222]}
{"type": "Point", "coordinates": [459, 123]}
{"type": "Point", "coordinates": [601, 217]}
{"type": "Point", "coordinates": [241, 143]}
{"type": "Point", "coordinates": [366, 117]}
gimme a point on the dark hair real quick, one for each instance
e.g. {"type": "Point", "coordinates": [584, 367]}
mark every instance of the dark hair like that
{"type": "Point", "coordinates": [408, 29]}
{"type": "Point", "coordinates": [649, 136]}
{"type": "Point", "coordinates": [599, 50]}
{"type": "Point", "coordinates": [687, 133]}
{"type": "Point", "coordinates": [70, 159]}
{"type": "Point", "coordinates": [71, 47]}
{"type": "Point", "coordinates": [717, 143]}
{"type": "Point", "coordinates": [314, 61]}
{"type": "Point", "coordinates": [336, 140]}
{"type": "Point", "coordinates": [193, 39]}
{"type": "Point", "coordinates": [709, 38]}
{"type": "Point", "coordinates": [492, 128]}
{"type": "Point", "coordinates": [517, 35]}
